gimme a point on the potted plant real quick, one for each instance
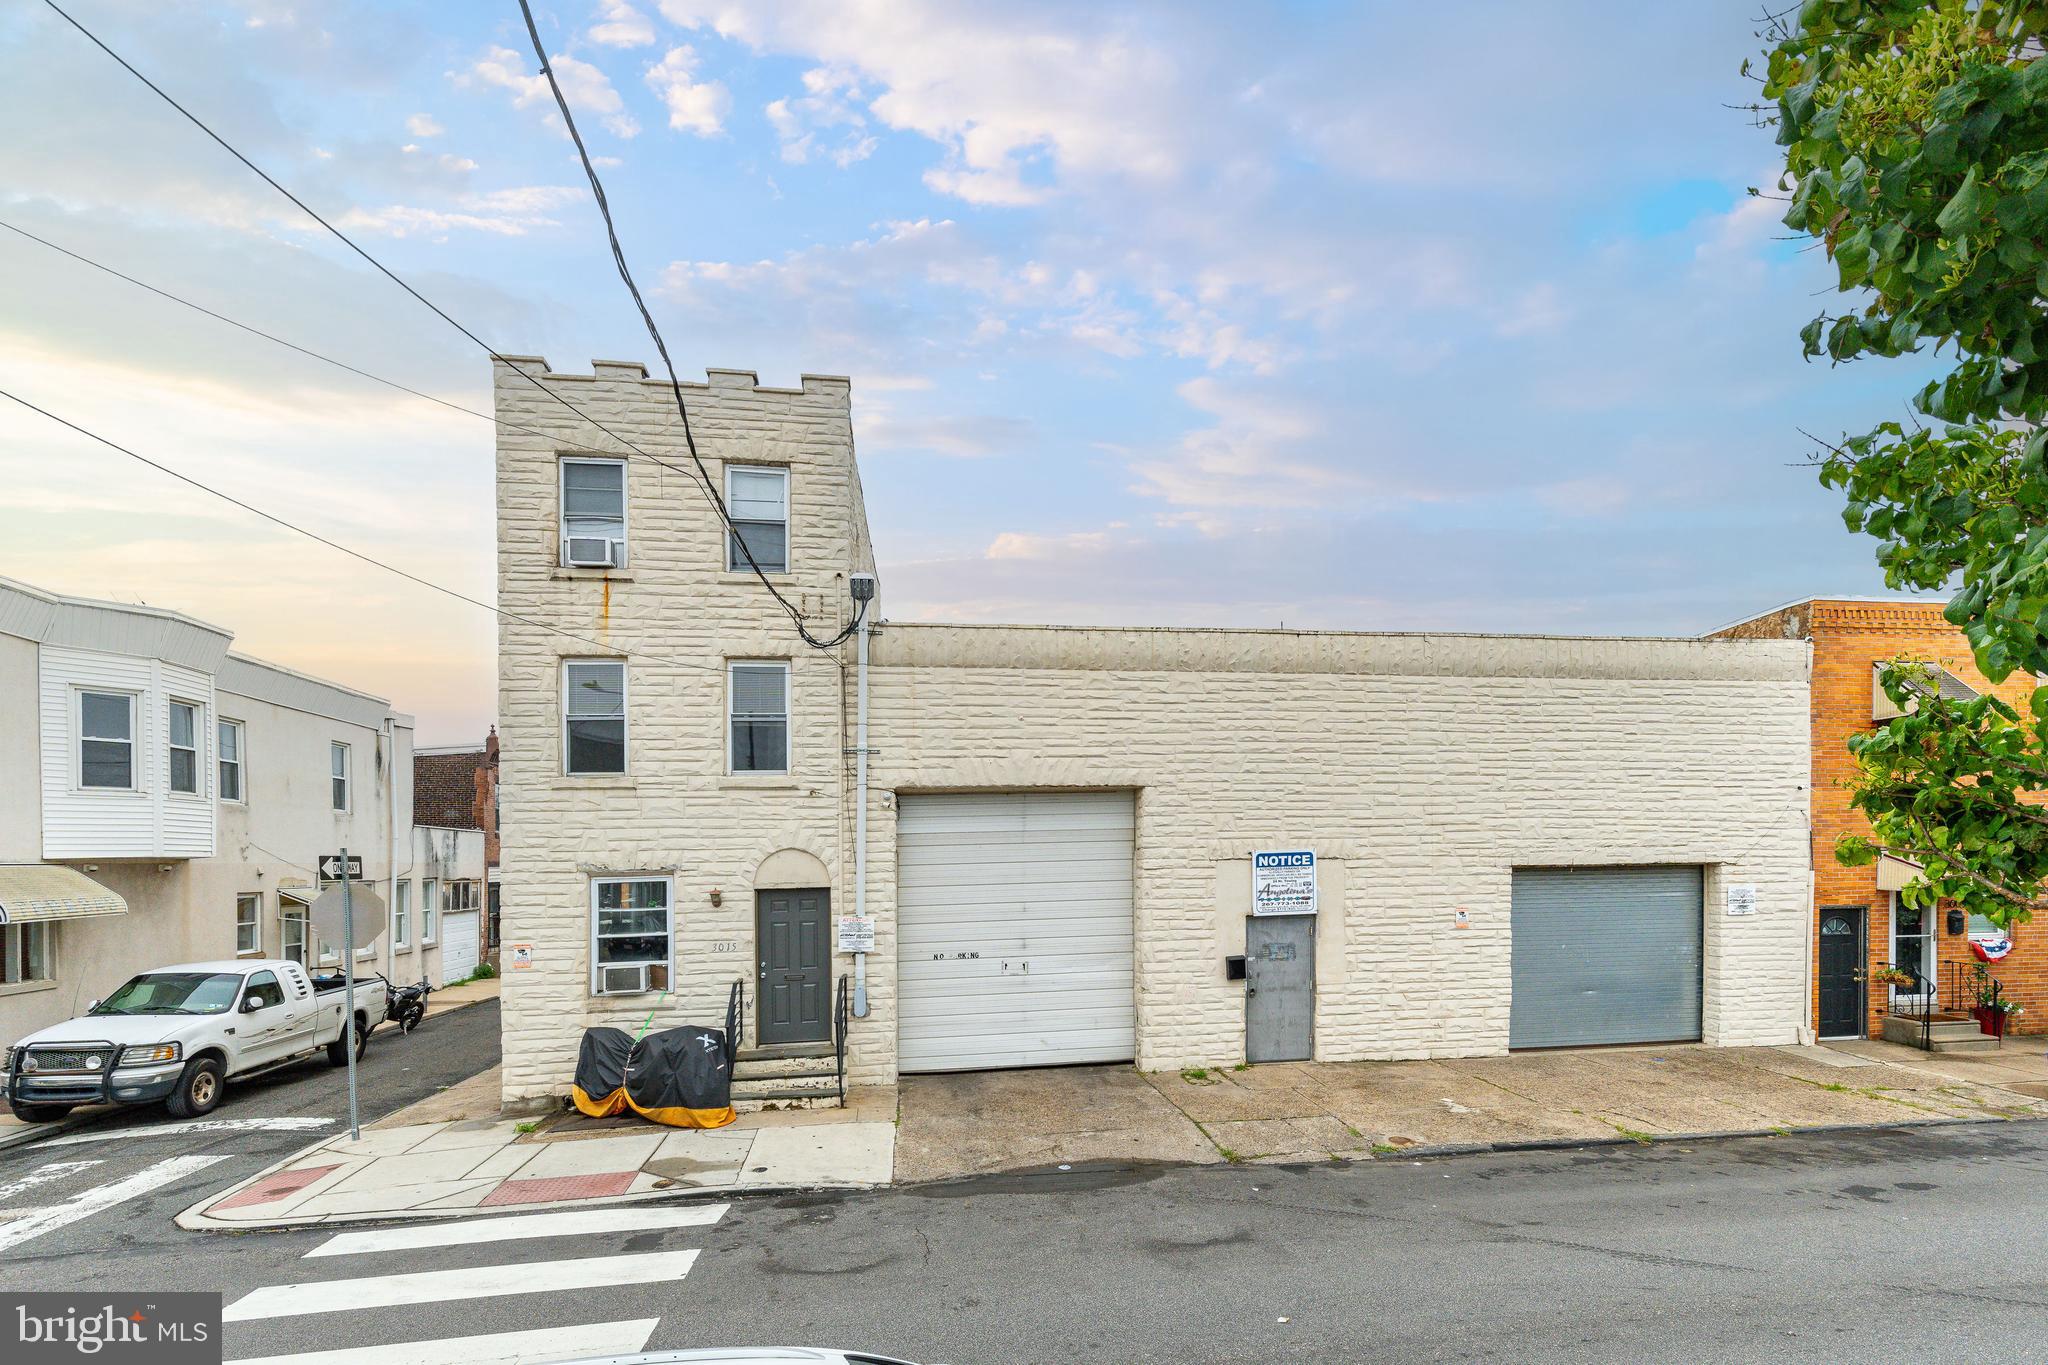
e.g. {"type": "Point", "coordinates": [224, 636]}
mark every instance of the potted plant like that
{"type": "Point", "coordinates": [1892, 976]}
{"type": "Point", "coordinates": [1998, 1017]}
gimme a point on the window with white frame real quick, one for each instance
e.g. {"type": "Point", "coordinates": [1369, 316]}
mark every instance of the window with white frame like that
{"type": "Point", "coordinates": [401, 916]}
{"type": "Point", "coordinates": [228, 751]}
{"type": "Point", "coordinates": [337, 766]}
{"type": "Point", "coordinates": [757, 500]}
{"type": "Point", "coordinates": [630, 935]}
{"type": "Point", "coordinates": [106, 740]}
{"type": "Point", "coordinates": [248, 925]}
{"type": "Point", "coordinates": [291, 933]}
{"type": "Point", "coordinates": [593, 513]}
{"type": "Point", "coordinates": [184, 748]}
{"type": "Point", "coordinates": [25, 954]}
{"type": "Point", "coordinates": [593, 716]}
{"type": "Point", "coordinates": [757, 698]}
{"type": "Point", "coordinates": [430, 900]}
{"type": "Point", "coordinates": [458, 898]}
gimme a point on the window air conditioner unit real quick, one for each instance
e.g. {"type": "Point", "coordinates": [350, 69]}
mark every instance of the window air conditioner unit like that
{"type": "Point", "coordinates": [624, 980]}
{"type": "Point", "coordinates": [591, 552]}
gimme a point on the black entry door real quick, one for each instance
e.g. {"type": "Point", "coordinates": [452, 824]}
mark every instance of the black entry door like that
{"type": "Point", "coordinates": [1841, 971]}
{"type": "Point", "coordinates": [792, 930]}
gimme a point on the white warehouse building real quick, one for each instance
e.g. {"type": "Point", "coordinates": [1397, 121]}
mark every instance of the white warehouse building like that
{"type": "Point", "coordinates": [1486, 842]}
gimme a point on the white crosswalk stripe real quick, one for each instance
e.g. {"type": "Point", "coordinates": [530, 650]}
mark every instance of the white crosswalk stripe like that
{"type": "Point", "coordinates": [49, 1173]}
{"type": "Point", "coordinates": [499, 1348]}
{"type": "Point", "coordinates": [31, 1223]}
{"type": "Point", "coordinates": [162, 1130]}
{"type": "Point", "coordinates": [469, 1282]}
{"type": "Point", "coordinates": [473, 1232]}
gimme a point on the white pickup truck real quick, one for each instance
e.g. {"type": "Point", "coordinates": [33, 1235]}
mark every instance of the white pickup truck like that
{"type": "Point", "coordinates": [179, 1034]}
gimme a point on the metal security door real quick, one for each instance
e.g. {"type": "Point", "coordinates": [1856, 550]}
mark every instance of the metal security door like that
{"type": "Point", "coordinates": [1841, 971]}
{"type": "Point", "coordinates": [1605, 955]}
{"type": "Point", "coordinates": [791, 928]}
{"type": "Point", "coordinates": [1280, 988]}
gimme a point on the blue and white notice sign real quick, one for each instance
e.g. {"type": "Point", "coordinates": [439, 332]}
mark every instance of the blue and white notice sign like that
{"type": "Point", "coordinates": [1284, 883]}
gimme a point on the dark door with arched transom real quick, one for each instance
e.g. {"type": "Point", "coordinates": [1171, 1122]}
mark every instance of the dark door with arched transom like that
{"type": "Point", "coordinates": [1842, 970]}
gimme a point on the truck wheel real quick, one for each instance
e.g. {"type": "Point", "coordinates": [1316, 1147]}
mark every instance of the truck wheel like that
{"type": "Point", "coordinates": [198, 1089]}
{"type": "Point", "coordinates": [337, 1051]}
{"type": "Point", "coordinates": [38, 1113]}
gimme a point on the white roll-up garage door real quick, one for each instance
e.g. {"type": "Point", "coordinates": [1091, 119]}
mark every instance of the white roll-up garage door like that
{"type": "Point", "coordinates": [1014, 929]}
{"type": "Point", "coordinates": [460, 946]}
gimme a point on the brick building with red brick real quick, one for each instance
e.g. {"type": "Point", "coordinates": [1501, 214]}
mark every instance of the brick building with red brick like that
{"type": "Point", "coordinates": [456, 787]}
{"type": "Point", "coordinates": [1859, 925]}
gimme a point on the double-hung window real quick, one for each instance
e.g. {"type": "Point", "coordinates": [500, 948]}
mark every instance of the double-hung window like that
{"type": "Point", "coordinates": [25, 953]}
{"type": "Point", "coordinates": [757, 500]}
{"type": "Point", "coordinates": [248, 925]}
{"type": "Point", "coordinates": [106, 740]}
{"type": "Point", "coordinates": [593, 716]}
{"type": "Point", "coordinates": [228, 749]}
{"type": "Point", "coordinates": [337, 768]}
{"type": "Point", "coordinates": [594, 513]}
{"type": "Point", "coordinates": [430, 901]}
{"type": "Point", "coordinates": [184, 748]}
{"type": "Point", "coordinates": [630, 935]}
{"type": "Point", "coordinates": [757, 697]}
{"type": "Point", "coordinates": [401, 916]}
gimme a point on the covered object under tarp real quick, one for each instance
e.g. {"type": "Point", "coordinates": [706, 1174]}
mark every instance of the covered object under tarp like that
{"type": "Point", "coordinates": [679, 1077]}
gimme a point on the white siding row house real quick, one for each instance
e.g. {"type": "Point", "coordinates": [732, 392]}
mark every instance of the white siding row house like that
{"type": "Point", "coordinates": [163, 799]}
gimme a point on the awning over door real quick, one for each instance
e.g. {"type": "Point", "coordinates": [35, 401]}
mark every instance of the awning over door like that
{"type": "Point", "coordinates": [44, 891]}
{"type": "Point", "coordinates": [301, 896]}
{"type": "Point", "coordinates": [1895, 874]}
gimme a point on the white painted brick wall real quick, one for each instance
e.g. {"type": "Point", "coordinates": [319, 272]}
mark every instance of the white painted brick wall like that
{"type": "Point", "coordinates": [1429, 767]}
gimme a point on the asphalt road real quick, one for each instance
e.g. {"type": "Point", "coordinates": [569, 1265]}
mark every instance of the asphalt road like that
{"type": "Point", "coordinates": [1918, 1244]}
{"type": "Point", "coordinates": [135, 1237]}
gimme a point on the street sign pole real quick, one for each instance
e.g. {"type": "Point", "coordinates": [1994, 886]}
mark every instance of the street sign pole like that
{"type": "Point", "coordinates": [348, 1005]}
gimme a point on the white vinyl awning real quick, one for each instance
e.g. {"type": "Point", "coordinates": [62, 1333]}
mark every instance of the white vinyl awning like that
{"type": "Point", "coordinates": [299, 895]}
{"type": "Point", "coordinates": [30, 892]}
{"type": "Point", "coordinates": [1895, 874]}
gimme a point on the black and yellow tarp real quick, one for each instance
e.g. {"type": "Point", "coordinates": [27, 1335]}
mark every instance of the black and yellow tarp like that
{"type": "Point", "coordinates": [678, 1077]}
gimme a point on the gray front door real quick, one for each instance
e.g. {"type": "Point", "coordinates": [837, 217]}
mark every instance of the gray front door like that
{"type": "Point", "coordinates": [1280, 988]}
{"type": "Point", "coordinates": [794, 983]}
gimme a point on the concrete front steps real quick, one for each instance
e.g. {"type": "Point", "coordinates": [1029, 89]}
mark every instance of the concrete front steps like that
{"type": "Point", "coordinates": [790, 1076]}
{"type": "Point", "coordinates": [1948, 1033]}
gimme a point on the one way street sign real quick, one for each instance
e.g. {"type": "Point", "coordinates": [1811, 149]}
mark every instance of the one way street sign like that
{"type": "Point", "coordinates": [330, 867]}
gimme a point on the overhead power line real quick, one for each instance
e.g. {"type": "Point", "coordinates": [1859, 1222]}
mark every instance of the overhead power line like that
{"type": "Point", "coordinates": [699, 475]}
{"type": "Point", "coordinates": [281, 341]}
{"type": "Point", "coordinates": [332, 544]}
{"type": "Point", "coordinates": [675, 385]}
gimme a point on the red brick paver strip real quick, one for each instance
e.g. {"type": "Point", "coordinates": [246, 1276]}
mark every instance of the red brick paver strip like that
{"type": "Point", "coordinates": [548, 1190]}
{"type": "Point", "coordinates": [274, 1187]}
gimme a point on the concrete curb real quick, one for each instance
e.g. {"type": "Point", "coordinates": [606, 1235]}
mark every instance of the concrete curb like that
{"type": "Point", "coordinates": [36, 1132]}
{"type": "Point", "coordinates": [1448, 1149]}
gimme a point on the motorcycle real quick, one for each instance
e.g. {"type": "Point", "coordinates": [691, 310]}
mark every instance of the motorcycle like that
{"type": "Point", "coordinates": [406, 1006]}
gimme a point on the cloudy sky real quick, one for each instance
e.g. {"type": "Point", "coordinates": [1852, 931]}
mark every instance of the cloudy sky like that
{"type": "Point", "coordinates": [1342, 316]}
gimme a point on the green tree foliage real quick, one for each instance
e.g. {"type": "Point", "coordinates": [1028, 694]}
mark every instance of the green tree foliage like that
{"type": "Point", "coordinates": [1915, 135]}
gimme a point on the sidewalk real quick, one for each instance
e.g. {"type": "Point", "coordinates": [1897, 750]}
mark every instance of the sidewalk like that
{"type": "Point", "coordinates": [1307, 1111]}
{"type": "Point", "coordinates": [408, 1168]}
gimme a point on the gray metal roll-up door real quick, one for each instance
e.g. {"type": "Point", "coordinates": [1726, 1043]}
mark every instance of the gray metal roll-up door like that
{"type": "Point", "coordinates": [1013, 924]}
{"type": "Point", "coordinates": [1605, 955]}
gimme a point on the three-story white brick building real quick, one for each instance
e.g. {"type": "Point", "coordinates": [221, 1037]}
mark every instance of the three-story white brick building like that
{"type": "Point", "coordinates": [1507, 841]}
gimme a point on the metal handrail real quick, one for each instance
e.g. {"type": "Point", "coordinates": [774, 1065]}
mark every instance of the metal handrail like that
{"type": "Point", "coordinates": [735, 1018]}
{"type": "Point", "coordinates": [839, 1018]}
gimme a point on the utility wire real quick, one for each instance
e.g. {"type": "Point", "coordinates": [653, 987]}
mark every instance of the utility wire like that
{"type": "Point", "coordinates": [718, 504]}
{"type": "Point", "coordinates": [675, 385]}
{"type": "Point", "coordinates": [288, 345]}
{"type": "Point", "coordinates": [351, 552]}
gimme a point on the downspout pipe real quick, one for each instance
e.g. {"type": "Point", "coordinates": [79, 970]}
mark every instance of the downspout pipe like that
{"type": "Point", "coordinates": [390, 845]}
{"type": "Point", "coordinates": [863, 591]}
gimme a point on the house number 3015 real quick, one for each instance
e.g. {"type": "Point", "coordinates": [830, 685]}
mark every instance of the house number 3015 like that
{"type": "Point", "coordinates": [726, 946]}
